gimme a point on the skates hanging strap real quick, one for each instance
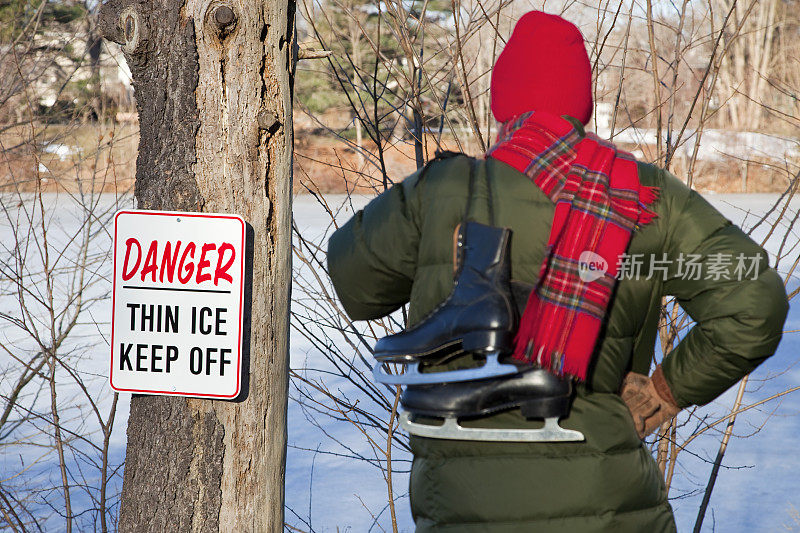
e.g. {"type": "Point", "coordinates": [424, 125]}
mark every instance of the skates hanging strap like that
{"type": "Point", "coordinates": [473, 163]}
{"type": "Point", "coordinates": [471, 194]}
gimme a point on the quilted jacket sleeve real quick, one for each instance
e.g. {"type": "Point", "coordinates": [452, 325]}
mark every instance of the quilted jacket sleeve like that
{"type": "Point", "coordinates": [722, 279]}
{"type": "Point", "coordinates": [372, 259]}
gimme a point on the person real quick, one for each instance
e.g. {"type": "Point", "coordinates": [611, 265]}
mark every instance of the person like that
{"type": "Point", "coordinates": [399, 249]}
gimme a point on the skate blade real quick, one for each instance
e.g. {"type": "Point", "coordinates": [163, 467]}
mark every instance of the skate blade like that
{"type": "Point", "coordinates": [451, 430]}
{"type": "Point", "coordinates": [412, 376]}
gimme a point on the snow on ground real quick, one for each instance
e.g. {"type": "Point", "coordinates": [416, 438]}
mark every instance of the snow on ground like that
{"type": "Point", "coordinates": [326, 492]}
{"type": "Point", "coordinates": [86, 351]}
{"type": "Point", "coordinates": [715, 145]}
{"type": "Point", "coordinates": [758, 490]}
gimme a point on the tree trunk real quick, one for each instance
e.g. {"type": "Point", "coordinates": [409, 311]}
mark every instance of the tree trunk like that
{"type": "Point", "coordinates": [213, 82]}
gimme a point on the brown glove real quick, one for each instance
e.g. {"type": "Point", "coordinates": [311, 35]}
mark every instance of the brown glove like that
{"type": "Point", "coordinates": [649, 400]}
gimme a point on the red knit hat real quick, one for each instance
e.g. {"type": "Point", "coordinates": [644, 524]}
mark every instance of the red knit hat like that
{"type": "Point", "coordinates": [544, 66]}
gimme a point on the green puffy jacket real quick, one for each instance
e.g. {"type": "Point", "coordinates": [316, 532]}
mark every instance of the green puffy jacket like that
{"type": "Point", "coordinates": [399, 249]}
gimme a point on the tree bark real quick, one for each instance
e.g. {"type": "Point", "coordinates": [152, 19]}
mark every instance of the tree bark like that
{"type": "Point", "coordinates": [213, 84]}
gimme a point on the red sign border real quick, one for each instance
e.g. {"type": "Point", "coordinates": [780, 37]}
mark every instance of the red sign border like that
{"type": "Point", "coordinates": [241, 302]}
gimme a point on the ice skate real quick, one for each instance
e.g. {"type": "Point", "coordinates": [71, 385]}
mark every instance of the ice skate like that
{"type": "Point", "coordinates": [478, 317]}
{"type": "Point", "coordinates": [537, 393]}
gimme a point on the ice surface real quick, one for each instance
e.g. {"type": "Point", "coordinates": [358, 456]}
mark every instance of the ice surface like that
{"type": "Point", "coordinates": [756, 491]}
{"type": "Point", "coordinates": [716, 145]}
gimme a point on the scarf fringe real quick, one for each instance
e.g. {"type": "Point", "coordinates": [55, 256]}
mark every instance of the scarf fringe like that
{"type": "Point", "coordinates": [646, 216]}
{"type": "Point", "coordinates": [555, 362]}
{"type": "Point", "coordinates": [648, 194]}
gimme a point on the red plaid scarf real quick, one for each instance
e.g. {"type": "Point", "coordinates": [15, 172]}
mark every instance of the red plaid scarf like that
{"type": "Point", "coordinates": [599, 203]}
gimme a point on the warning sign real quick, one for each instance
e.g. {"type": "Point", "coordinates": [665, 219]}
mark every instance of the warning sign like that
{"type": "Point", "coordinates": [177, 304]}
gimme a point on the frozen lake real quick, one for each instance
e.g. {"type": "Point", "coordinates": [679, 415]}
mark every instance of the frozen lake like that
{"type": "Point", "coordinates": [328, 490]}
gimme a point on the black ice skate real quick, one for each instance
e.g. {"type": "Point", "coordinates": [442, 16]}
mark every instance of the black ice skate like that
{"type": "Point", "coordinates": [537, 393]}
{"type": "Point", "coordinates": [478, 316]}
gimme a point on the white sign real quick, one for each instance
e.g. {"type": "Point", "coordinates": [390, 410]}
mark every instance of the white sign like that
{"type": "Point", "coordinates": [177, 321]}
